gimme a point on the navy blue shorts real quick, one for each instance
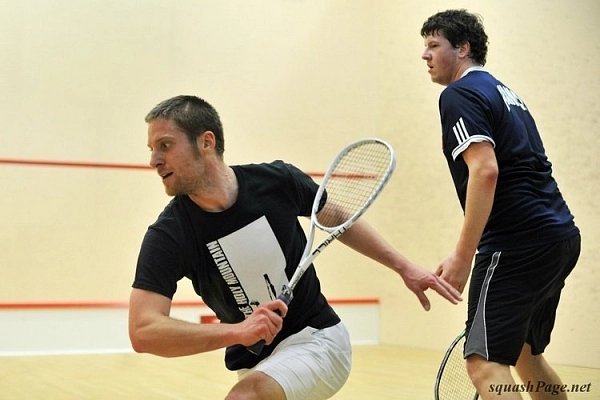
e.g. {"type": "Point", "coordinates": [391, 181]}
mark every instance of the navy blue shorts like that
{"type": "Point", "coordinates": [513, 297]}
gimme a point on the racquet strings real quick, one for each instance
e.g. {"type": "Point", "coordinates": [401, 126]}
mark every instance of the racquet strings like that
{"type": "Point", "coordinates": [454, 382]}
{"type": "Point", "coordinates": [355, 178]}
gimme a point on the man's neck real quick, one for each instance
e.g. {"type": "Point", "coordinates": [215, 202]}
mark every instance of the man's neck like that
{"type": "Point", "coordinates": [219, 192]}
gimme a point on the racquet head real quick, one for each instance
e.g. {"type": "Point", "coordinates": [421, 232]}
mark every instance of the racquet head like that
{"type": "Point", "coordinates": [353, 181]}
{"type": "Point", "coordinates": [453, 382]}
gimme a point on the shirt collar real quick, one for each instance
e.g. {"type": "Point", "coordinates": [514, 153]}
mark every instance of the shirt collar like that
{"type": "Point", "coordinates": [470, 69]}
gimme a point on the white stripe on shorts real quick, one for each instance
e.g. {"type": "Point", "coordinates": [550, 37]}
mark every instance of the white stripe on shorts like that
{"type": "Point", "coordinates": [477, 339]}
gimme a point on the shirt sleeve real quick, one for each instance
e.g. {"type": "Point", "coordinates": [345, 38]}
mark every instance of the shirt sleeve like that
{"type": "Point", "coordinates": [160, 262]}
{"type": "Point", "coordinates": [466, 119]}
{"type": "Point", "coordinates": [305, 189]}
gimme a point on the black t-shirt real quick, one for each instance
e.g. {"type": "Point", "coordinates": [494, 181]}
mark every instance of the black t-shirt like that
{"type": "Point", "coordinates": [241, 257]}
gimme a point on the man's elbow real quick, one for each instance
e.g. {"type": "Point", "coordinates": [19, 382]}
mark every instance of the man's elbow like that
{"type": "Point", "coordinates": [140, 342]}
{"type": "Point", "coordinates": [488, 173]}
{"type": "Point", "coordinates": [491, 173]}
{"type": "Point", "coordinates": [137, 343]}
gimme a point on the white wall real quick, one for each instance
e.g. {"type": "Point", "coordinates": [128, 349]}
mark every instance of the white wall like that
{"type": "Point", "coordinates": [103, 328]}
{"type": "Point", "coordinates": [292, 79]}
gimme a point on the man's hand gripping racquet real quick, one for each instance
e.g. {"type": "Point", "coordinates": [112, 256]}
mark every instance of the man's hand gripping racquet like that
{"type": "Point", "coordinates": [352, 182]}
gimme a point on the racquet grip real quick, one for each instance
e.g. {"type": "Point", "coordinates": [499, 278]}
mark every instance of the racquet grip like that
{"type": "Point", "coordinates": [257, 347]}
{"type": "Point", "coordinates": [285, 296]}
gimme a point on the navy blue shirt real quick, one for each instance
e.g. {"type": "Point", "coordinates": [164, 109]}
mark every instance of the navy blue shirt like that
{"type": "Point", "coordinates": [528, 207]}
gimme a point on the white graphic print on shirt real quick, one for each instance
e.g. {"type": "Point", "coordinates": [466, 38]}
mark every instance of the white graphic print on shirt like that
{"type": "Point", "coordinates": [246, 254]}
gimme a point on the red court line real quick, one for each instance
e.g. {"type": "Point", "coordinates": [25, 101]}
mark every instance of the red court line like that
{"type": "Point", "coordinates": [78, 164]}
{"type": "Point", "coordinates": [122, 304]}
{"type": "Point", "coordinates": [90, 164]}
{"type": "Point", "coordinates": [82, 305]}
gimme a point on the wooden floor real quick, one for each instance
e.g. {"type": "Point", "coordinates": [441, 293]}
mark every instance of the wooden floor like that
{"type": "Point", "coordinates": [379, 373]}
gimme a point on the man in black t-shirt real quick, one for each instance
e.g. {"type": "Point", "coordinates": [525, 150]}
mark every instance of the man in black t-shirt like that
{"type": "Point", "coordinates": [234, 232]}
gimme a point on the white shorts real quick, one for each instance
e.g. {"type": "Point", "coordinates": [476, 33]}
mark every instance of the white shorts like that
{"type": "Point", "coordinates": [312, 364]}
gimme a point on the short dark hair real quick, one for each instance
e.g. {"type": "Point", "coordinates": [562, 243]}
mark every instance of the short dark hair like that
{"type": "Point", "coordinates": [193, 116]}
{"type": "Point", "coordinates": [459, 27]}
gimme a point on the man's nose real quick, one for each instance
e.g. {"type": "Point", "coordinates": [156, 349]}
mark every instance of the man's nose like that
{"type": "Point", "coordinates": [155, 159]}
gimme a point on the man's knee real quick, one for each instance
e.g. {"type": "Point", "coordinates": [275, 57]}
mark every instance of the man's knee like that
{"type": "Point", "coordinates": [256, 386]}
{"type": "Point", "coordinates": [482, 371]}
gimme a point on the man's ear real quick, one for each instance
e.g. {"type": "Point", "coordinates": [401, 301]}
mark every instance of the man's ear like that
{"type": "Point", "coordinates": [206, 140]}
{"type": "Point", "coordinates": [464, 50]}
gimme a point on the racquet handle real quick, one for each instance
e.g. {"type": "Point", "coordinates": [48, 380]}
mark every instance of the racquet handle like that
{"type": "Point", "coordinates": [285, 296]}
{"type": "Point", "coordinates": [257, 347]}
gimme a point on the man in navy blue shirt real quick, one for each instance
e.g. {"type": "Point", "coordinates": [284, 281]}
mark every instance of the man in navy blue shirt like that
{"type": "Point", "coordinates": [517, 227]}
